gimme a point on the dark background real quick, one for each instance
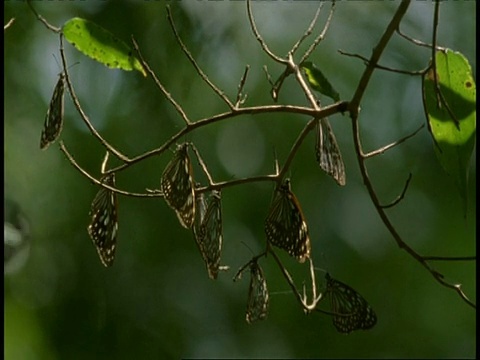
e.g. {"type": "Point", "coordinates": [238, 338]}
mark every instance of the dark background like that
{"type": "Point", "coordinates": [157, 301]}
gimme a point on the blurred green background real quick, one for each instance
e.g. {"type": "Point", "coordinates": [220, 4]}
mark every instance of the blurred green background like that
{"type": "Point", "coordinates": [157, 300]}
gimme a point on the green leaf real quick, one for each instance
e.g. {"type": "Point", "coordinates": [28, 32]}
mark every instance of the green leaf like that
{"type": "Point", "coordinates": [318, 81]}
{"type": "Point", "coordinates": [101, 45]}
{"type": "Point", "coordinates": [451, 115]}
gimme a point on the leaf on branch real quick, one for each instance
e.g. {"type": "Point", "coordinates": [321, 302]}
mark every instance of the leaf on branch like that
{"type": "Point", "coordinates": [101, 45]}
{"type": "Point", "coordinates": [318, 81]}
{"type": "Point", "coordinates": [451, 114]}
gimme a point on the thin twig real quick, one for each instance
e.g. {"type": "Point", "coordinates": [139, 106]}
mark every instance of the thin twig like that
{"type": "Point", "coordinates": [202, 164]}
{"type": "Point", "coordinates": [238, 274]}
{"type": "Point", "coordinates": [389, 146]}
{"type": "Point", "coordinates": [205, 78]}
{"type": "Point", "coordinates": [240, 98]}
{"type": "Point", "coordinates": [307, 307]}
{"type": "Point", "coordinates": [417, 42]}
{"type": "Point", "coordinates": [42, 19]}
{"type": "Point", "coordinates": [321, 36]}
{"type": "Point", "coordinates": [259, 38]}
{"type": "Point", "coordinates": [164, 91]}
{"type": "Point", "coordinates": [381, 67]}
{"type": "Point", "coordinates": [401, 196]}
{"type": "Point", "coordinates": [309, 30]}
{"type": "Point", "coordinates": [84, 117]}
{"type": "Point", "coordinates": [98, 182]}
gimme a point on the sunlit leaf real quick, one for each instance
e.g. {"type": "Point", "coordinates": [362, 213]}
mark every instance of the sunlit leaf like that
{"type": "Point", "coordinates": [101, 45]}
{"type": "Point", "coordinates": [451, 114]}
{"type": "Point", "coordinates": [318, 81]}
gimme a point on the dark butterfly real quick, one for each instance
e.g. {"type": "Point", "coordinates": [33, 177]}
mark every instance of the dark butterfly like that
{"type": "Point", "coordinates": [258, 298]}
{"type": "Point", "coordinates": [328, 153]}
{"type": "Point", "coordinates": [54, 118]}
{"type": "Point", "coordinates": [285, 225]}
{"type": "Point", "coordinates": [104, 225]}
{"type": "Point", "coordinates": [208, 234]}
{"type": "Point", "coordinates": [178, 188]}
{"type": "Point", "coordinates": [351, 310]}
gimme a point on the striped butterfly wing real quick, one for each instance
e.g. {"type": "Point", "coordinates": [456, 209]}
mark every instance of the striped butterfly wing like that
{"type": "Point", "coordinates": [285, 225]}
{"type": "Point", "coordinates": [178, 188]}
{"type": "Point", "coordinates": [54, 118]}
{"type": "Point", "coordinates": [209, 236]}
{"type": "Point", "coordinates": [104, 222]}
{"type": "Point", "coordinates": [354, 312]}
{"type": "Point", "coordinates": [258, 297]}
{"type": "Point", "coordinates": [328, 153]}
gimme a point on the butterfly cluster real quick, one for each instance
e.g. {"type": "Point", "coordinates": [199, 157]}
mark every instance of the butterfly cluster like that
{"type": "Point", "coordinates": [54, 118]}
{"type": "Point", "coordinates": [285, 225]}
{"type": "Point", "coordinates": [328, 153]}
{"type": "Point", "coordinates": [178, 187]}
{"type": "Point", "coordinates": [104, 223]}
{"type": "Point", "coordinates": [350, 310]}
{"type": "Point", "coordinates": [208, 231]}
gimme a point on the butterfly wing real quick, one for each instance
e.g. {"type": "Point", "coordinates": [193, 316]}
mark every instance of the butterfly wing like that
{"type": "Point", "coordinates": [285, 225]}
{"type": "Point", "coordinates": [328, 153]}
{"type": "Point", "coordinates": [104, 223]}
{"type": "Point", "coordinates": [178, 188]}
{"type": "Point", "coordinates": [258, 297]}
{"type": "Point", "coordinates": [209, 236]}
{"type": "Point", "coordinates": [352, 311]}
{"type": "Point", "coordinates": [54, 118]}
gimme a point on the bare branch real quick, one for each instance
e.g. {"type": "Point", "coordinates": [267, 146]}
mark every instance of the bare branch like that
{"type": "Point", "coordinates": [377, 52]}
{"type": "Point", "coordinates": [309, 30]}
{"type": "Point", "coordinates": [84, 117]}
{"type": "Point", "coordinates": [42, 19]}
{"type": "Point", "coordinates": [390, 146]}
{"type": "Point", "coordinates": [159, 84]}
{"type": "Point", "coordinates": [259, 37]}
{"type": "Point", "coordinates": [401, 196]}
{"type": "Point", "coordinates": [240, 98]}
{"type": "Point", "coordinates": [321, 36]}
{"type": "Point", "coordinates": [205, 78]}
{"type": "Point", "coordinates": [417, 42]}
{"type": "Point", "coordinates": [202, 164]}
{"type": "Point", "coordinates": [98, 182]}
{"type": "Point", "coordinates": [381, 67]}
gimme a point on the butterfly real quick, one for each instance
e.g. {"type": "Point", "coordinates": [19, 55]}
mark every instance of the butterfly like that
{"type": "Point", "coordinates": [351, 310]}
{"type": "Point", "coordinates": [328, 153]}
{"type": "Point", "coordinates": [54, 118]}
{"type": "Point", "coordinates": [178, 188]}
{"type": "Point", "coordinates": [285, 225]}
{"type": "Point", "coordinates": [258, 298]}
{"type": "Point", "coordinates": [208, 234]}
{"type": "Point", "coordinates": [104, 224]}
